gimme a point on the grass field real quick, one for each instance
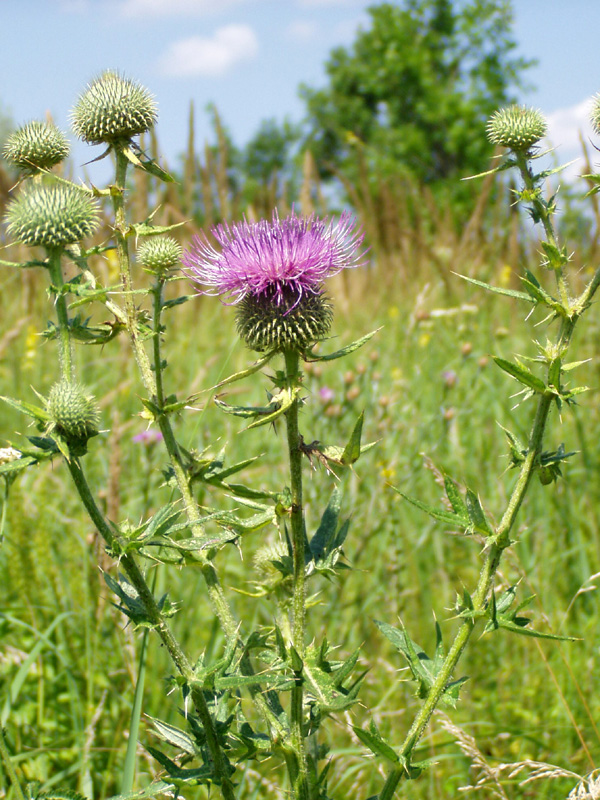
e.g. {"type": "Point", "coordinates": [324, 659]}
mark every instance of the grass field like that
{"type": "Point", "coordinates": [433, 399]}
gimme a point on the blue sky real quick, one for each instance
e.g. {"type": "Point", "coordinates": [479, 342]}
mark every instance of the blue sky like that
{"type": "Point", "coordinates": [249, 57]}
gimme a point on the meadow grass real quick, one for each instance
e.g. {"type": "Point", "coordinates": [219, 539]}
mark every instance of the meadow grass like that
{"type": "Point", "coordinates": [432, 399]}
{"type": "Point", "coordinates": [422, 380]}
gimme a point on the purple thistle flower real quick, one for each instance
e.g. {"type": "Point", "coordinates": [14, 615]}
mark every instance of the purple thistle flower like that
{"type": "Point", "coordinates": [148, 437]}
{"type": "Point", "coordinates": [326, 394]}
{"type": "Point", "coordinates": [280, 261]}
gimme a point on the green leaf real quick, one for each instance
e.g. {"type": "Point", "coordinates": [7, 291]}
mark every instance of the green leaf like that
{"type": "Point", "coordinates": [522, 374]}
{"type": "Point", "coordinates": [501, 616]}
{"type": "Point", "coordinates": [540, 295]}
{"type": "Point", "coordinates": [37, 413]}
{"type": "Point", "coordinates": [372, 739]}
{"type": "Point", "coordinates": [352, 450]}
{"type": "Point", "coordinates": [19, 464]}
{"type": "Point", "coordinates": [325, 533]}
{"type": "Point", "coordinates": [497, 290]}
{"type": "Point", "coordinates": [455, 498]}
{"type": "Point", "coordinates": [182, 777]}
{"type": "Point", "coordinates": [174, 736]}
{"type": "Point", "coordinates": [238, 376]}
{"type": "Point", "coordinates": [476, 514]}
{"type": "Point", "coordinates": [424, 669]}
{"type": "Point", "coordinates": [143, 162]}
{"type": "Point", "coordinates": [440, 514]}
{"type": "Point", "coordinates": [350, 348]}
{"type": "Point", "coordinates": [154, 788]}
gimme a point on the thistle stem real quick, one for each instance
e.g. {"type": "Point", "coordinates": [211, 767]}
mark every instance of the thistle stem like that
{"type": "Point", "coordinates": [266, 703]}
{"type": "Point", "coordinates": [62, 315]}
{"type": "Point", "coordinates": [301, 784]}
{"type": "Point", "coordinates": [159, 624]}
{"type": "Point", "coordinates": [496, 545]}
{"type": "Point", "coordinates": [545, 219]}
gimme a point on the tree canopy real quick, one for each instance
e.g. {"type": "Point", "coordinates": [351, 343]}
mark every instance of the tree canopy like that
{"type": "Point", "coordinates": [414, 90]}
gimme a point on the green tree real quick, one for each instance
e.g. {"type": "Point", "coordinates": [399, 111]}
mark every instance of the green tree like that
{"type": "Point", "coordinates": [415, 89]}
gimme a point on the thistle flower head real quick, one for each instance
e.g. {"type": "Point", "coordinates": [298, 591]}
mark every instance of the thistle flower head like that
{"type": "Point", "coordinates": [274, 271]}
{"type": "Point", "coordinates": [516, 127]}
{"type": "Point", "coordinates": [73, 411]}
{"type": "Point", "coordinates": [595, 114]}
{"type": "Point", "coordinates": [36, 146]}
{"type": "Point", "coordinates": [52, 215]}
{"type": "Point", "coordinates": [159, 254]}
{"type": "Point", "coordinates": [113, 108]}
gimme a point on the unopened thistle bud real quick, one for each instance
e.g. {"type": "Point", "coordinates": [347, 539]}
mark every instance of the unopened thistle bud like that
{"type": "Point", "coordinates": [159, 254]}
{"type": "Point", "coordinates": [112, 109]}
{"type": "Point", "coordinates": [291, 324]}
{"type": "Point", "coordinates": [73, 411]}
{"type": "Point", "coordinates": [36, 146]}
{"type": "Point", "coordinates": [595, 114]}
{"type": "Point", "coordinates": [516, 127]}
{"type": "Point", "coordinates": [52, 215]}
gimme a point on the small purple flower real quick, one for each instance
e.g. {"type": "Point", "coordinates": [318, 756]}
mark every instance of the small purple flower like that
{"type": "Point", "coordinates": [148, 437]}
{"type": "Point", "coordinates": [326, 394]}
{"type": "Point", "coordinates": [281, 260]}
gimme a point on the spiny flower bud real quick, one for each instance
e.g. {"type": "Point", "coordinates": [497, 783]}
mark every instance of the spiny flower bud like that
{"type": "Point", "coordinates": [52, 215]}
{"type": "Point", "coordinates": [36, 146]}
{"type": "Point", "coordinates": [159, 254]}
{"type": "Point", "coordinates": [516, 127]}
{"type": "Point", "coordinates": [112, 109]}
{"type": "Point", "coordinates": [291, 324]}
{"type": "Point", "coordinates": [74, 412]}
{"type": "Point", "coordinates": [595, 114]}
{"type": "Point", "coordinates": [266, 555]}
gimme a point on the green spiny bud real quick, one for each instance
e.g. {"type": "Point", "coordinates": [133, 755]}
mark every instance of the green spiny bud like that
{"type": "Point", "coordinates": [52, 215]}
{"type": "Point", "coordinates": [36, 146]}
{"type": "Point", "coordinates": [159, 254]}
{"type": "Point", "coordinates": [73, 411]}
{"type": "Point", "coordinates": [112, 109]}
{"type": "Point", "coordinates": [516, 127]}
{"type": "Point", "coordinates": [292, 324]}
{"type": "Point", "coordinates": [266, 555]}
{"type": "Point", "coordinates": [595, 114]}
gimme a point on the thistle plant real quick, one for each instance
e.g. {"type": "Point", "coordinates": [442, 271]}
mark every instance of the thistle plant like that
{"type": "Point", "coordinates": [268, 691]}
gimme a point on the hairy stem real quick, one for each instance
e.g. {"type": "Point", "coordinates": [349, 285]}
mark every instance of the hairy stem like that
{"type": "Point", "coordinates": [496, 545]}
{"type": "Point", "coordinates": [546, 220]}
{"type": "Point", "coordinates": [299, 570]}
{"type": "Point", "coordinates": [267, 703]}
{"type": "Point", "coordinates": [159, 624]}
{"type": "Point", "coordinates": [62, 315]}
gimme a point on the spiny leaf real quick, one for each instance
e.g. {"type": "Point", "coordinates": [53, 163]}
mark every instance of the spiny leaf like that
{"type": "Point", "coordinates": [372, 739]}
{"type": "Point", "coordinates": [350, 348]}
{"type": "Point", "coordinates": [476, 514]}
{"type": "Point", "coordinates": [522, 374]}
{"type": "Point", "coordinates": [40, 414]}
{"type": "Point", "coordinates": [440, 514]}
{"type": "Point", "coordinates": [455, 498]}
{"type": "Point", "coordinates": [497, 289]}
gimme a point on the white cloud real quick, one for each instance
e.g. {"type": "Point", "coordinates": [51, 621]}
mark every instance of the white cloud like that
{"type": "Point", "coordinates": [163, 8]}
{"type": "Point", "coordinates": [566, 124]}
{"type": "Point", "coordinates": [302, 31]}
{"type": "Point", "coordinates": [201, 55]}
